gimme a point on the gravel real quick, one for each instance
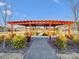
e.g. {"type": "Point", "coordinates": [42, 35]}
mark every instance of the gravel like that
{"type": "Point", "coordinates": [11, 56]}
{"type": "Point", "coordinates": [68, 56]}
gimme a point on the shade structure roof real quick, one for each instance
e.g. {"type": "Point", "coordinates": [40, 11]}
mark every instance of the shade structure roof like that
{"type": "Point", "coordinates": [40, 22]}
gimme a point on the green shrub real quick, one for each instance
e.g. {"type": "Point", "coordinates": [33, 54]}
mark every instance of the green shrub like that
{"type": "Point", "coordinates": [60, 44]}
{"type": "Point", "coordinates": [19, 41]}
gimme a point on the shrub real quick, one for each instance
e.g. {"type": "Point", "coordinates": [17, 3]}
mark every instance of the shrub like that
{"type": "Point", "coordinates": [69, 36]}
{"type": "Point", "coordinates": [1, 39]}
{"type": "Point", "coordinates": [63, 38]}
{"type": "Point", "coordinates": [76, 40]}
{"type": "Point", "coordinates": [14, 34]}
{"type": "Point", "coordinates": [19, 41]}
{"type": "Point", "coordinates": [8, 39]}
{"type": "Point", "coordinates": [70, 44]}
{"type": "Point", "coordinates": [37, 33]}
{"type": "Point", "coordinates": [44, 34]}
{"type": "Point", "coordinates": [28, 38]}
{"type": "Point", "coordinates": [59, 43]}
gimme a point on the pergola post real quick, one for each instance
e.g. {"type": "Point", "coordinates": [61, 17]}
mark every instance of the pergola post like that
{"type": "Point", "coordinates": [44, 29]}
{"type": "Point", "coordinates": [35, 30]}
{"type": "Point", "coordinates": [54, 29]}
{"type": "Point", "coordinates": [30, 29]}
{"type": "Point", "coordinates": [12, 30]}
{"type": "Point", "coordinates": [25, 29]}
{"type": "Point", "coordinates": [69, 29]}
{"type": "Point", "coordinates": [29, 34]}
{"type": "Point", "coordinates": [49, 31]}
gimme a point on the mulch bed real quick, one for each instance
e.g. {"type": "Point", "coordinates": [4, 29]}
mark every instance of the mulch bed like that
{"type": "Point", "coordinates": [13, 50]}
{"type": "Point", "coordinates": [66, 50]}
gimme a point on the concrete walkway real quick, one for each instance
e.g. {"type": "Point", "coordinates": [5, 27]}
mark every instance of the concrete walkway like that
{"type": "Point", "coordinates": [40, 49]}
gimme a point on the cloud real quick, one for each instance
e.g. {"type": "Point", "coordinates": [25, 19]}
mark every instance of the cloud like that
{"type": "Point", "coordinates": [2, 4]}
{"type": "Point", "coordinates": [56, 1]}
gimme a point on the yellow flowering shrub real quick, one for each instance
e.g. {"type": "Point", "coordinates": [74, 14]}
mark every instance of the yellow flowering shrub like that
{"type": "Point", "coordinates": [19, 41]}
{"type": "Point", "coordinates": [1, 38]}
{"type": "Point", "coordinates": [63, 38]}
{"type": "Point", "coordinates": [44, 34]}
{"type": "Point", "coordinates": [75, 38]}
{"type": "Point", "coordinates": [8, 39]}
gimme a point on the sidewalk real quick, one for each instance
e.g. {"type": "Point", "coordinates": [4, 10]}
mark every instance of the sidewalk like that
{"type": "Point", "coordinates": [40, 49]}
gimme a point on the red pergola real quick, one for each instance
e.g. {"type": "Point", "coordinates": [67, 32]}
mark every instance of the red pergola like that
{"type": "Point", "coordinates": [41, 23]}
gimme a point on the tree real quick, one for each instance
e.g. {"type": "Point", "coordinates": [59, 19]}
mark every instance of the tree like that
{"type": "Point", "coordinates": [75, 10]}
{"type": "Point", "coordinates": [4, 13]}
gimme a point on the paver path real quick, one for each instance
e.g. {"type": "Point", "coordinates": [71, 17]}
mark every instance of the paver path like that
{"type": "Point", "coordinates": [40, 49]}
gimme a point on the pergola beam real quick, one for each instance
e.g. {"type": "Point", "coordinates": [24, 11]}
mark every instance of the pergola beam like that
{"type": "Point", "coordinates": [41, 22]}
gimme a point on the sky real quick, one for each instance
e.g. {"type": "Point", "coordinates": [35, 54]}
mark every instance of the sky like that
{"type": "Point", "coordinates": [39, 10]}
